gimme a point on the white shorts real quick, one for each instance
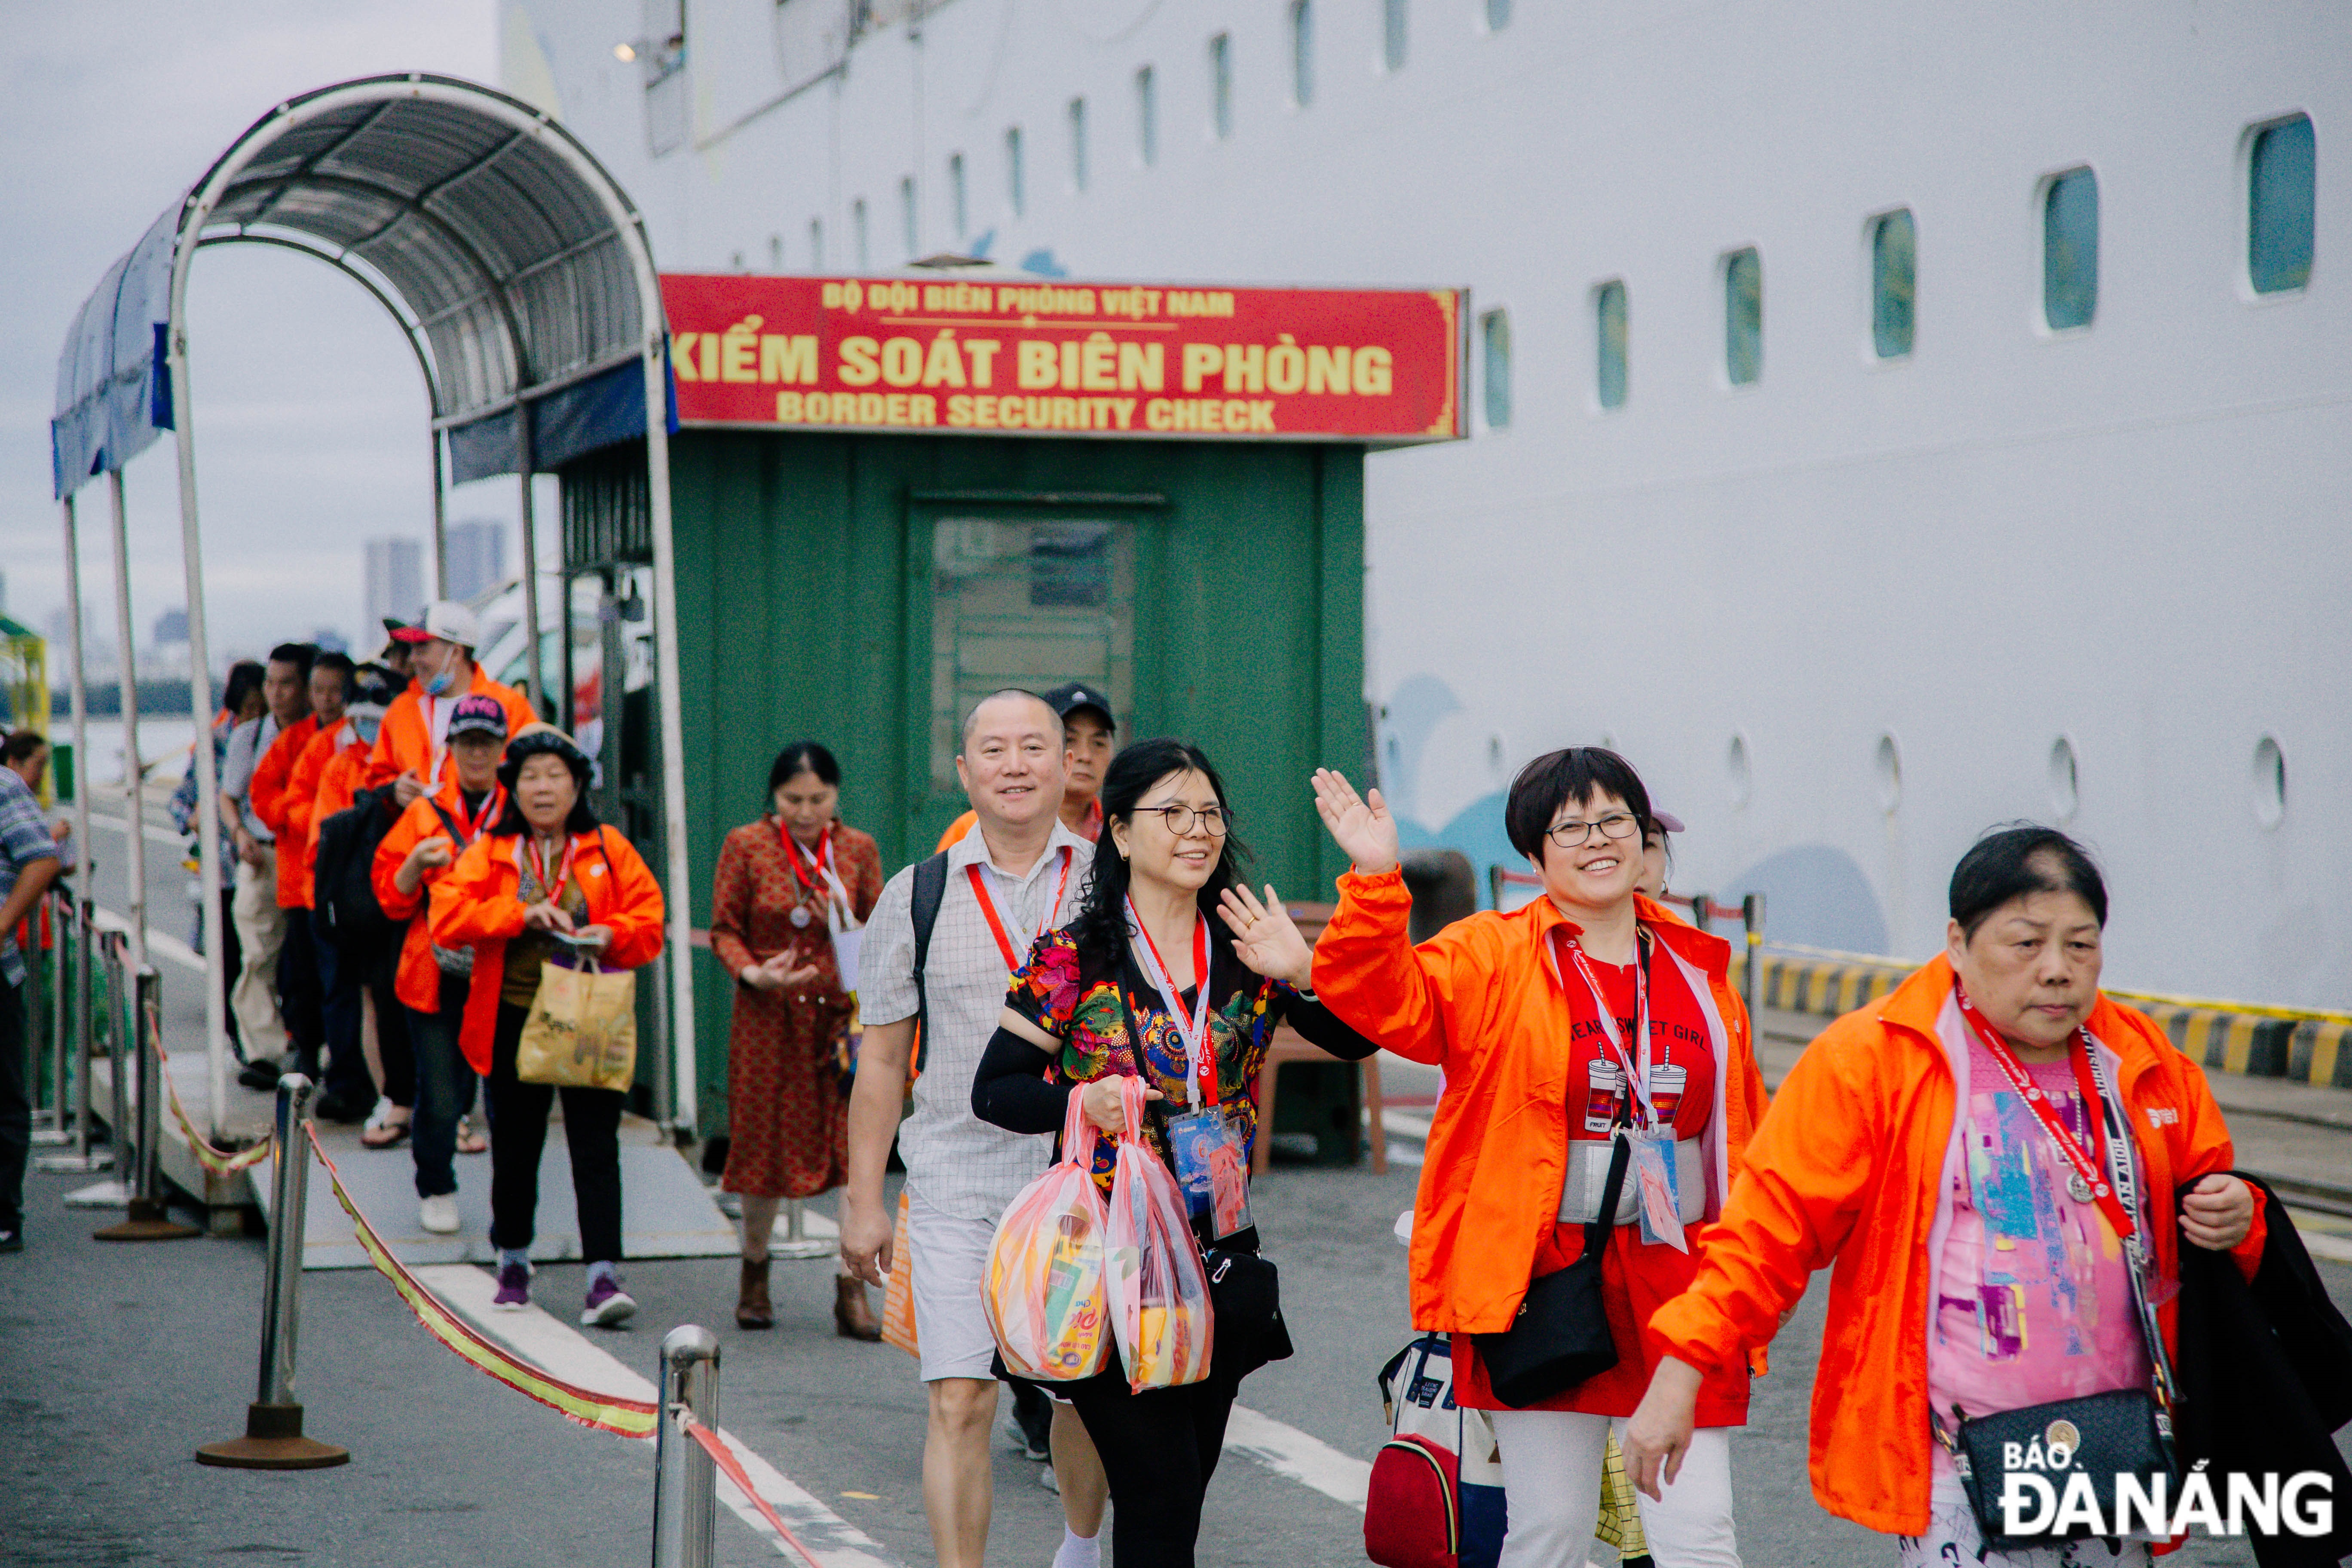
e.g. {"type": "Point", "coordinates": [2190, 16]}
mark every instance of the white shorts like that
{"type": "Point", "coordinates": [949, 1263]}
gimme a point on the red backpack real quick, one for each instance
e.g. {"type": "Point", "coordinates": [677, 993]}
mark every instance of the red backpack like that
{"type": "Point", "coordinates": [1418, 1511]}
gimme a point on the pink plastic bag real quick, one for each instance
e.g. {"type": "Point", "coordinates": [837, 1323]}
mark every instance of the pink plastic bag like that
{"type": "Point", "coordinates": [1046, 1299]}
{"type": "Point", "coordinates": [1159, 1286]}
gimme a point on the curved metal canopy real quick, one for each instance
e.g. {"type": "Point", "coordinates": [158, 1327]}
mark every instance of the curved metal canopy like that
{"type": "Point", "coordinates": [521, 275]}
{"type": "Point", "coordinates": [499, 244]}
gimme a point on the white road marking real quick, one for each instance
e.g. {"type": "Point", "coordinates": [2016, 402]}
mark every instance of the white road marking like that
{"type": "Point", "coordinates": [2321, 1236]}
{"type": "Point", "coordinates": [161, 944]}
{"type": "Point", "coordinates": [1291, 1454]}
{"type": "Point", "coordinates": [563, 1351]}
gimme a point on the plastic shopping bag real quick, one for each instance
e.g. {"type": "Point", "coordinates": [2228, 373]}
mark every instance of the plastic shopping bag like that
{"type": "Point", "coordinates": [1159, 1287]}
{"type": "Point", "coordinates": [898, 1294]}
{"type": "Point", "coordinates": [1044, 1296]}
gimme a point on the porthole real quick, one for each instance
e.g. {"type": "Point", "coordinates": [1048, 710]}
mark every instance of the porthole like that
{"type": "Point", "coordinates": [2065, 783]}
{"type": "Point", "coordinates": [2270, 783]}
{"type": "Point", "coordinates": [1890, 774]}
{"type": "Point", "coordinates": [1736, 770]}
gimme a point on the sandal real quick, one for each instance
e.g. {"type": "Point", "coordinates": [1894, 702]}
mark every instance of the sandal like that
{"type": "Point", "coordinates": [382, 1131]}
{"type": "Point", "coordinates": [469, 1141]}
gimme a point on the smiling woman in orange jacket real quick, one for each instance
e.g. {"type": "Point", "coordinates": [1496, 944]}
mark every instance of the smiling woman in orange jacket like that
{"type": "Point", "coordinates": [546, 866]}
{"type": "Point", "coordinates": [1538, 1094]}
{"type": "Point", "coordinates": [1969, 1269]}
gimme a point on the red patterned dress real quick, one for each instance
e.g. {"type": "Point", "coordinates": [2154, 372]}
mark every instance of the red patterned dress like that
{"type": "Point", "coordinates": [787, 1100]}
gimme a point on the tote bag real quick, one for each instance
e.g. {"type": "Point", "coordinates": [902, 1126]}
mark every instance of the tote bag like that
{"type": "Point", "coordinates": [583, 1028]}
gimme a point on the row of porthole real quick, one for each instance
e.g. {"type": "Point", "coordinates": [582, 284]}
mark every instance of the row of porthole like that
{"type": "Point", "coordinates": [2267, 780]}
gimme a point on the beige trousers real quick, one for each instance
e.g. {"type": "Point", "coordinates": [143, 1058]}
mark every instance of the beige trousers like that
{"type": "Point", "coordinates": [261, 931]}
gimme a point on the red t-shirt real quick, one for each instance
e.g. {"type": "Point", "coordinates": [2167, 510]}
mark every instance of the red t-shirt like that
{"type": "Point", "coordinates": [1682, 1063]}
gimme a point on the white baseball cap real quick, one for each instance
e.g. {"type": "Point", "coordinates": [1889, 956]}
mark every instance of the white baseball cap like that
{"type": "Point", "coordinates": [446, 619]}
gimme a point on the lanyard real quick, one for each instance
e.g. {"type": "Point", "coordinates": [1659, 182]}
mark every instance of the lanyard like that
{"type": "Point", "coordinates": [2088, 1174]}
{"type": "Point", "coordinates": [1013, 956]}
{"type": "Point", "coordinates": [1199, 1054]}
{"type": "Point", "coordinates": [1636, 1075]}
{"type": "Point", "coordinates": [794, 854]}
{"type": "Point", "coordinates": [552, 892]}
{"type": "Point", "coordinates": [492, 798]}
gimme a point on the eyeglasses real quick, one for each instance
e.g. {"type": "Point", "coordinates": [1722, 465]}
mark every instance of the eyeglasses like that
{"type": "Point", "coordinates": [1569, 835]}
{"type": "Point", "coordinates": [1213, 820]}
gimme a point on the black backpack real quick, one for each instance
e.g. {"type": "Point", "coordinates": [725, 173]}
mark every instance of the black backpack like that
{"type": "Point", "coordinates": [343, 907]}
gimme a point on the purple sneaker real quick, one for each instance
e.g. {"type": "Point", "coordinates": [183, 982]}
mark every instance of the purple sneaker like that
{"type": "Point", "coordinates": [608, 1306]}
{"type": "Point", "coordinates": [514, 1289]}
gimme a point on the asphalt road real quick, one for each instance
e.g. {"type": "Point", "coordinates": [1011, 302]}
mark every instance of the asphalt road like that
{"type": "Point", "coordinates": [118, 1362]}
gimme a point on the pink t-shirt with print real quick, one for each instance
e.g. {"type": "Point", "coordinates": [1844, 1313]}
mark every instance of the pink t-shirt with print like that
{"type": "Point", "coordinates": [2033, 1299]}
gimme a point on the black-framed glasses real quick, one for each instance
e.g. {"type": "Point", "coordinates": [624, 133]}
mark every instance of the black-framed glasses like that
{"type": "Point", "coordinates": [1570, 833]}
{"type": "Point", "coordinates": [1213, 820]}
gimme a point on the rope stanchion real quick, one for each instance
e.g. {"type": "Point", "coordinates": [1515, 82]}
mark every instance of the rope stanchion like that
{"type": "Point", "coordinates": [150, 1218]}
{"type": "Point", "coordinates": [732, 1468]}
{"type": "Point", "coordinates": [605, 1413]}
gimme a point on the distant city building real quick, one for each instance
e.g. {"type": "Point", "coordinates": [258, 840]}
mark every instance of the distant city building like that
{"type": "Point", "coordinates": [478, 556]}
{"type": "Point", "coordinates": [395, 580]}
{"type": "Point", "coordinates": [171, 627]}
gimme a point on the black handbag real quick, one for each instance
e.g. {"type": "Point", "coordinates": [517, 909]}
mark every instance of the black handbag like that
{"type": "Point", "coordinates": [1245, 1298]}
{"type": "Point", "coordinates": [2124, 1432]}
{"type": "Point", "coordinates": [1561, 1336]}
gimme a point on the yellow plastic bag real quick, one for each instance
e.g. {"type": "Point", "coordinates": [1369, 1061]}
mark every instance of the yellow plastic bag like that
{"type": "Point", "coordinates": [583, 1029]}
{"type": "Point", "coordinates": [1045, 1294]}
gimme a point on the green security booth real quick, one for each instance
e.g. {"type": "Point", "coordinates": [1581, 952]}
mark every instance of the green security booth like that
{"type": "Point", "coordinates": [985, 484]}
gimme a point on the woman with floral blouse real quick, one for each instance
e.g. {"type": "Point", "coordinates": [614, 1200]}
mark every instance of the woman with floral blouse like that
{"type": "Point", "coordinates": [1142, 983]}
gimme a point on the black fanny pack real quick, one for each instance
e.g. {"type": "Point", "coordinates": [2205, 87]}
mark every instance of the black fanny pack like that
{"type": "Point", "coordinates": [1560, 1337]}
{"type": "Point", "coordinates": [2019, 1465]}
{"type": "Point", "coordinates": [1245, 1295]}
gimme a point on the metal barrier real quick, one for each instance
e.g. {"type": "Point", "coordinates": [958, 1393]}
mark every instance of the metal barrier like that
{"type": "Point", "coordinates": [685, 1481]}
{"type": "Point", "coordinates": [150, 1218]}
{"type": "Point", "coordinates": [1704, 910]}
{"type": "Point", "coordinates": [796, 1243]}
{"type": "Point", "coordinates": [53, 915]}
{"type": "Point", "coordinates": [106, 1020]}
{"type": "Point", "coordinates": [273, 1436]}
{"type": "Point", "coordinates": [80, 1011]}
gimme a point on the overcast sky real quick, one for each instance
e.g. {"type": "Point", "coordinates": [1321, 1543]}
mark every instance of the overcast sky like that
{"type": "Point", "coordinates": [309, 410]}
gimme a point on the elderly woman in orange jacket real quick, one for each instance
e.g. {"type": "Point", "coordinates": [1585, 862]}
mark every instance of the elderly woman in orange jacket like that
{"type": "Point", "coordinates": [546, 866]}
{"type": "Point", "coordinates": [1589, 1019]}
{"type": "Point", "coordinates": [1949, 1151]}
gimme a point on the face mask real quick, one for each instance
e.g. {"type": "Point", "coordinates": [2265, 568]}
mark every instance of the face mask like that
{"type": "Point", "coordinates": [440, 684]}
{"type": "Point", "coordinates": [366, 728]}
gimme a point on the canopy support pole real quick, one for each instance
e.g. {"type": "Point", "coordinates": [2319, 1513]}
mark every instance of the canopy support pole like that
{"type": "Point", "coordinates": [440, 511]}
{"type": "Point", "coordinates": [673, 724]}
{"type": "Point", "coordinates": [538, 660]}
{"type": "Point", "coordinates": [200, 705]}
{"type": "Point", "coordinates": [126, 681]}
{"type": "Point", "coordinates": [80, 687]}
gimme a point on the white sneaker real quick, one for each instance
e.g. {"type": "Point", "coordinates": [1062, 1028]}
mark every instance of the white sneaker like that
{"type": "Point", "coordinates": [439, 1215]}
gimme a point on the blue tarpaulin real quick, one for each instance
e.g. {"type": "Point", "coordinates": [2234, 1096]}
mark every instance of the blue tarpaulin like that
{"type": "Point", "coordinates": [114, 391]}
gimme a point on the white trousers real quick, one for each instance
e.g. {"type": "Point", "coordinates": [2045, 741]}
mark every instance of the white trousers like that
{"type": "Point", "coordinates": [1551, 1484]}
{"type": "Point", "coordinates": [260, 933]}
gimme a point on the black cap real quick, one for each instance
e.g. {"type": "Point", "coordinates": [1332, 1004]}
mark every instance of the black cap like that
{"type": "Point", "coordinates": [1067, 700]}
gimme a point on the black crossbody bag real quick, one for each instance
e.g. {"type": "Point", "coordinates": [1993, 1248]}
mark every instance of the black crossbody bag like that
{"type": "Point", "coordinates": [2123, 1432]}
{"type": "Point", "coordinates": [1560, 1337]}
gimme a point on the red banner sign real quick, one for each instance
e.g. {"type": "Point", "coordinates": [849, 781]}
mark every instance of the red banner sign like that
{"type": "Point", "coordinates": [1034, 356]}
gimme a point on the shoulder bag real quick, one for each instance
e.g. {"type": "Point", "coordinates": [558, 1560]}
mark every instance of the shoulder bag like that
{"type": "Point", "coordinates": [581, 1032]}
{"type": "Point", "coordinates": [1560, 1337]}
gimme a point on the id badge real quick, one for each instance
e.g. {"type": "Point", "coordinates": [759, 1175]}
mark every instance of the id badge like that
{"type": "Point", "coordinates": [1209, 1168]}
{"type": "Point", "coordinates": [1655, 1171]}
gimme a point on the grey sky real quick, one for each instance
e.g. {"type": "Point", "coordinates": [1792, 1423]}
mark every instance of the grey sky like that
{"type": "Point", "coordinates": [307, 401]}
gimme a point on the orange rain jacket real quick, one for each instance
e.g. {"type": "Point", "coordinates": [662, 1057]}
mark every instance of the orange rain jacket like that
{"type": "Point", "coordinates": [1479, 1000]}
{"type": "Point", "coordinates": [298, 841]}
{"type": "Point", "coordinates": [267, 796]}
{"type": "Point", "coordinates": [1845, 1173]}
{"type": "Point", "coordinates": [405, 744]}
{"type": "Point", "coordinates": [340, 783]}
{"type": "Point", "coordinates": [476, 904]}
{"type": "Point", "coordinates": [418, 981]}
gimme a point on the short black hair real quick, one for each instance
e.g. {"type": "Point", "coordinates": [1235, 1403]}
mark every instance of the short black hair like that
{"type": "Point", "coordinates": [1573, 772]}
{"type": "Point", "coordinates": [546, 741]}
{"type": "Point", "coordinates": [2019, 859]}
{"type": "Point", "coordinates": [244, 679]}
{"type": "Point", "coordinates": [339, 662]}
{"type": "Point", "coordinates": [297, 654]}
{"type": "Point", "coordinates": [22, 745]}
{"type": "Point", "coordinates": [803, 757]}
